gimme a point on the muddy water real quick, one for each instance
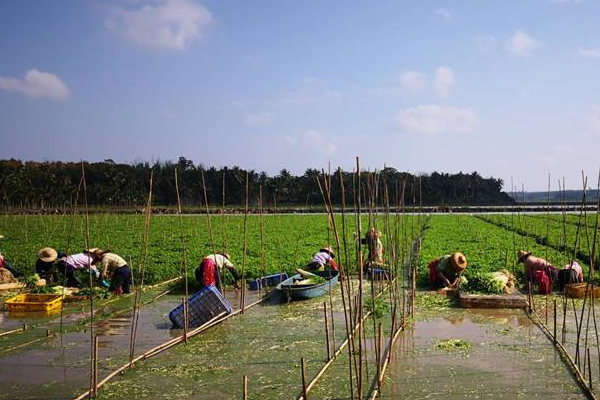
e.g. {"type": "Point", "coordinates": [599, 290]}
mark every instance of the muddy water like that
{"type": "Point", "coordinates": [58, 367]}
{"type": "Point", "coordinates": [266, 344]}
{"type": "Point", "coordinates": [508, 358]}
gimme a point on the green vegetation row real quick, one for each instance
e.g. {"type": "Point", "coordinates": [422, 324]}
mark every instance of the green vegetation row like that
{"type": "Point", "coordinates": [488, 247]}
{"type": "Point", "coordinates": [290, 241]}
{"type": "Point", "coordinates": [551, 233]}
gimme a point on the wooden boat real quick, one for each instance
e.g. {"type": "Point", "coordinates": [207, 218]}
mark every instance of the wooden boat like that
{"type": "Point", "coordinates": [293, 291]}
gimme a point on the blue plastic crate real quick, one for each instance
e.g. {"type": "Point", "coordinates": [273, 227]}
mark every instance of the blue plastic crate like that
{"type": "Point", "coordinates": [266, 281]}
{"type": "Point", "coordinates": [202, 307]}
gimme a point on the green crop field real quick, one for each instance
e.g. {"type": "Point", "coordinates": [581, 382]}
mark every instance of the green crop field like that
{"type": "Point", "coordinates": [290, 241]}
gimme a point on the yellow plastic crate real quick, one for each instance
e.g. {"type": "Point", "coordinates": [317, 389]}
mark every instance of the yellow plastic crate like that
{"type": "Point", "coordinates": [578, 290]}
{"type": "Point", "coordinates": [34, 302]}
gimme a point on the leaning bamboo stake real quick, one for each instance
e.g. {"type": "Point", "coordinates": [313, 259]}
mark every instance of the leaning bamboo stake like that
{"type": "Point", "coordinates": [360, 282]}
{"type": "Point", "coordinates": [208, 221]}
{"type": "Point", "coordinates": [327, 330]}
{"type": "Point", "coordinates": [141, 269]}
{"type": "Point", "coordinates": [96, 351]}
{"type": "Point", "coordinates": [303, 368]}
{"type": "Point", "coordinates": [245, 251]}
{"type": "Point", "coordinates": [185, 319]}
{"type": "Point", "coordinates": [91, 279]}
{"type": "Point", "coordinates": [181, 231]}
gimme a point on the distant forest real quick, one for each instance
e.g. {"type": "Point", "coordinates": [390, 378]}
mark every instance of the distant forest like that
{"type": "Point", "coordinates": [54, 185]}
{"type": "Point", "coordinates": [555, 196]}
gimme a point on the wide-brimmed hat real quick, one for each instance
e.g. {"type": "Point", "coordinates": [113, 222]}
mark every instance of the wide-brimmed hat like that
{"type": "Point", "coordinates": [47, 254]}
{"type": "Point", "coordinates": [522, 255]}
{"type": "Point", "coordinates": [226, 255]}
{"type": "Point", "coordinates": [329, 250]}
{"type": "Point", "coordinates": [97, 253]}
{"type": "Point", "coordinates": [458, 261]}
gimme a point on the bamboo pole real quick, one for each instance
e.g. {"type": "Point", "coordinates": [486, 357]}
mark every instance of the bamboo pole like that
{"type": "Point", "coordinates": [327, 330]}
{"type": "Point", "coordinates": [303, 368]}
{"type": "Point", "coordinates": [183, 249]}
{"type": "Point", "coordinates": [185, 319]}
{"type": "Point", "coordinates": [96, 351]}
{"type": "Point", "coordinates": [245, 388]}
{"type": "Point", "coordinates": [141, 269]}
{"type": "Point", "coordinates": [245, 250]}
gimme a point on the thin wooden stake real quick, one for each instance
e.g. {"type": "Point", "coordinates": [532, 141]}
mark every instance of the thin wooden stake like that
{"type": "Point", "coordinates": [379, 358]}
{"type": "Point", "coordinates": [554, 331]}
{"type": "Point", "coordinates": [245, 388]}
{"type": "Point", "coordinates": [96, 347]}
{"type": "Point", "coordinates": [303, 367]}
{"type": "Point", "coordinates": [327, 330]}
{"type": "Point", "coordinates": [589, 368]}
{"type": "Point", "coordinates": [185, 319]}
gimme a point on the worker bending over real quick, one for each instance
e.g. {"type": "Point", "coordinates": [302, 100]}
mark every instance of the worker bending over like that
{"type": "Point", "coordinates": [375, 248]}
{"type": "Point", "coordinates": [447, 270]}
{"type": "Point", "coordinates": [537, 271]}
{"type": "Point", "coordinates": [115, 267]}
{"type": "Point", "coordinates": [83, 261]}
{"type": "Point", "coordinates": [210, 270]}
{"type": "Point", "coordinates": [322, 260]}
{"type": "Point", "coordinates": [46, 264]}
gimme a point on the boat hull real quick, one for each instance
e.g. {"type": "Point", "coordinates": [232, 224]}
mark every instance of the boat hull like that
{"type": "Point", "coordinates": [292, 292]}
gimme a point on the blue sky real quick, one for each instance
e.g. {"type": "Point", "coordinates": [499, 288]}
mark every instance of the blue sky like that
{"type": "Point", "coordinates": [507, 88]}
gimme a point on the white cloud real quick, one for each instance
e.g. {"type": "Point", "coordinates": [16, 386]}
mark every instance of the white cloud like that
{"type": "Point", "coordinates": [522, 44]}
{"type": "Point", "coordinates": [257, 119]}
{"type": "Point", "coordinates": [418, 83]}
{"type": "Point", "coordinates": [414, 82]}
{"type": "Point", "coordinates": [435, 119]}
{"type": "Point", "coordinates": [588, 53]}
{"type": "Point", "coordinates": [319, 142]}
{"type": "Point", "coordinates": [444, 80]}
{"type": "Point", "coordinates": [445, 14]}
{"type": "Point", "coordinates": [162, 24]}
{"type": "Point", "coordinates": [37, 84]}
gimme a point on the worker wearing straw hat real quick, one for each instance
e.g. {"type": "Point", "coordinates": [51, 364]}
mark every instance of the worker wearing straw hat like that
{"type": "Point", "coordinates": [210, 270]}
{"type": "Point", "coordinates": [323, 259]}
{"type": "Point", "coordinates": [8, 268]}
{"type": "Point", "coordinates": [375, 248]}
{"type": "Point", "coordinates": [447, 270]}
{"type": "Point", "coordinates": [46, 266]}
{"type": "Point", "coordinates": [115, 267]}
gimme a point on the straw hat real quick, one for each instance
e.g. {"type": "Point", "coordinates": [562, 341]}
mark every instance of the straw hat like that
{"type": "Point", "coordinates": [458, 261]}
{"type": "Point", "coordinates": [97, 253]}
{"type": "Point", "coordinates": [329, 250]}
{"type": "Point", "coordinates": [47, 254]}
{"type": "Point", "coordinates": [226, 255]}
{"type": "Point", "coordinates": [522, 255]}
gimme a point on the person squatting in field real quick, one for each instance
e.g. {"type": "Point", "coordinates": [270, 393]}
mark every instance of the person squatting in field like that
{"type": "Point", "coordinates": [446, 271]}
{"type": "Point", "coordinates": [375, 248]}
{"type": "Point", "coordinates": [323, 260]}
{"type": "Point", "coordinates": [115, 267]}
{"type": "Point", "coordinates": [46, 264]}
{"type": "Point", "coordinates": [540, 272]}
{"type": "Point", "coordinates": [210, 270]}
{"type": "Point", "coordinates": [83, 261]}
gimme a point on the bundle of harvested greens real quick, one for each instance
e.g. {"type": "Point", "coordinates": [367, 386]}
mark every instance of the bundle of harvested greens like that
{"type": "Point", "coordinates": [490, 282]}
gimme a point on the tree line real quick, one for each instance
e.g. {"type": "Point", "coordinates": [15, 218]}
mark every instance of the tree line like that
{"type": "Point", "coordinates": [55, 184]}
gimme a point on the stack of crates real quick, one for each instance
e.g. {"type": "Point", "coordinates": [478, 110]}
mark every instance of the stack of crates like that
{"type": "Point", "coordinates": [202, 307]}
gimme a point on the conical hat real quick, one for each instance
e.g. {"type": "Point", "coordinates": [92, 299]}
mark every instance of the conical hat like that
{"type": "Point", "coordinates": [47, 254]}
{"type": "Point", "coordinates": [458, 261]}
{"type": "Point", "coordinates": [329, 250]}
